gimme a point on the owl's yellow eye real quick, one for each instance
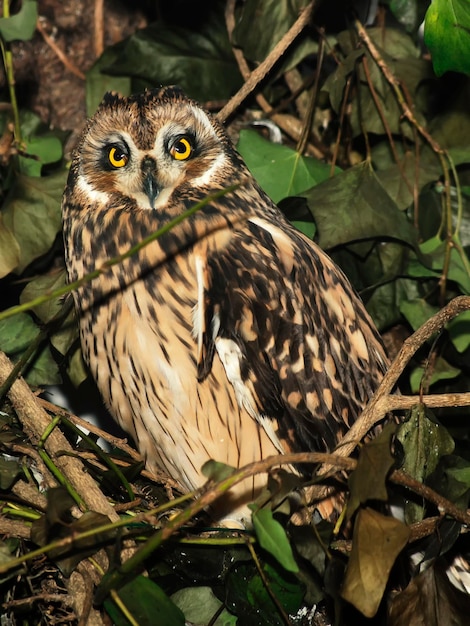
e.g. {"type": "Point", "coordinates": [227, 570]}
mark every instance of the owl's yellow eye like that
{"type": "Point", "coordinates": [117, 157]}
{"type": "Point", "coordinates": [181, 149]}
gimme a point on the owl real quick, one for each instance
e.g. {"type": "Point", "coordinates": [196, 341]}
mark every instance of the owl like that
{"type": "Point", "coordinates": [232, 336]}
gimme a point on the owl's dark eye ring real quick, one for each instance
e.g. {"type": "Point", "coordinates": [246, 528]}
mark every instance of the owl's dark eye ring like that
{"type": "Point", "coordinates": [117, 157]}
{"type": "Point", "coordinates": [181, 149]}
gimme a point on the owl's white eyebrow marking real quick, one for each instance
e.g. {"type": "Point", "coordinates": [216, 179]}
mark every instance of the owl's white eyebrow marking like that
{"type": "Point", "coordinates": [208, 176]}
{"type": "Point", "coordinates": [202, 118]}
{"type": "Point", "coordinates": [92, 194]}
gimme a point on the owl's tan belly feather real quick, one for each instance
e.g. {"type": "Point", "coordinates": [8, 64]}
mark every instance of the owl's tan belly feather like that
{"type": "Point", "coordinates": [150, 385]}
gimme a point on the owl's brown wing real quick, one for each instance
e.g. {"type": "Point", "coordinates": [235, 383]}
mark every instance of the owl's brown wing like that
{"type": "Point", "coordinates": [295, 340]}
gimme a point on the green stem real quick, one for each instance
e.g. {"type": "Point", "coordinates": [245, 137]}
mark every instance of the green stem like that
{"type": "Point", "coordinates": [10, 76]}
{"type": "Point", "coordinates": [62, 291]}
{"type": "Point", "coordinates": [105, 458]}
{"type": "Point", "coordinates": [53, 468]}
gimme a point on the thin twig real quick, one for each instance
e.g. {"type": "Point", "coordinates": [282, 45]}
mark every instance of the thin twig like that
{"type": "Point", "coordinates": [258, 75]}
{"type": "Point", "coordinates": [385, 124]}
{"type": "Point", "coordinates": [433, 401]}
{"type": "Point", "coordinates": [396, 86]}
{"type": "Point", "coordinates": [373, 414]}
{"type": "Point", "coordinates": [267, 586]}
{"type": "Point", "coordinates": [444, 505]}
{"type": "Point", "coordinates": [99, 27]}
{"type": "Point", "coordinates": [58, 52]}
{"type": "Point", "coordinates": [288, 123]}
{"type": "Point", "coordinates": [307, 121]}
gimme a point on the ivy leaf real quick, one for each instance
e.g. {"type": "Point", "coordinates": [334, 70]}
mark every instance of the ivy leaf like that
{"type": "Point", "coordinates": [272, 538]}
{"type": "Point", "coordinates": [442, 370]}
{"type": "Point", "coordinates": [356, 200]}
{"type": "Point", "coordinates": [9, 471]}
{"type": "Point", "coordinates": [198, 59]}
{"type": "Point", "coordinates": [257, 41]}
{"type": "Point", "coordinates": [435, 251]}
{"type": "Point", "coordinates": [16, 334]}
{"type": "Point", "coordinates": [63, 337]}
{"type": "Point", "coordinates": [200, 605]}
{"type": "Point", "coordinates": [21, 26]}
{"type": "Point", "coordinates": [9, 249]}
{"type": "Point", "coordinates": [459, 331]}
{"type": "Point", "coordinates": [215, 470]}
{"type": "Point", "coordinates": [76, 368]}
{"type": "Point", "coordinates": [45, 149]}
{"type": "Point", "coordinates": [147, 603]}
{"type": "Point", "coordinates": [279, 170]}
{"type": "Point", "coordinates": [424, 442]}
{"type": "Point", "coordinates": [248, 598]}
{"type": "Point", "coordinates": [32, 214]}
{"type": "Point", "coordinates": [447, 35]}
{"type": "Point", "coordinates": [417, 311]}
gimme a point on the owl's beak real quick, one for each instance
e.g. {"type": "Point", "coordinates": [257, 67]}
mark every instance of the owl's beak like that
{"type": "Point", "coordinates": [150, 186]}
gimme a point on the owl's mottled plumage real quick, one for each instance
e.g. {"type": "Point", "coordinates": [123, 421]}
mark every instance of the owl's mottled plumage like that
{"type": "Point", "coordinates": [232, 336]}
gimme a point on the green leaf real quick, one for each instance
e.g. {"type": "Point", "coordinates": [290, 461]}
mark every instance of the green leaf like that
{"type": "Point", "coordinates": [76, 369]}
{"type": "Point", "coordinates": [45, 149]}
{"type": "Point", "coordinates": [248, 598]}
{"type": "Point", "coordinates": [441, 370]}
{"type": "Point", "coordinates": [409, 14]}
{"type": "Point", "coordinates": [9, 471]}
{"type": "Point", "coordinates": [98, 82]}
{"type": "Point", "coordinates": [353, 206]}
{"type": "Point", "coordinates": [417, 311]}
{"type": "Point", "coordinates": [297, 212]}
{"type": "Point", "coordinates": [452, 478]}
{"type": "Point", "coordinates": [377, 541]}
{"type": "Point", "coordinates": [447, 35]}
{"type": "Point", "coordinates": [392, 176]}
{"type": "Point", "coordinates": [63, 337]}
{"type": "Point", "coordinates": [32, 214]}
{"type": "Point", "coordinates": [434, 251]}
{"type": "Point", "coordinates": [199, 605]}
{"type": "Point", "coordinates": [424, 442]}
{"type": "Point", "coordinates": [147, 603]}
{"type": "Point", "coordinates": [58, 523]}
{"type": "Point", "coordinates": [215, 470]}
{"type": "Point", "coordinates": [198, 59]}
{"type": "Point", "coordinates": [7, 552]}
{"type": "Point", "coordinates": [336, 82]}
{"type": "Point", "coordinates": [279, 170]}
{"type": "Point", "coordinates": [252, 35]}
{"type": "Point", "coordinates": [22, 25]}
{"type": "Point", "coordinates": [9, 249]}
{"type": "Point", "coordinates": [401, 55]}
{"type": "Point", "coordinates": [459, 331]}
{"type": "Point", "coordinates": [16, 334]}
{"type": "Point", "coordinates": [272, 538]}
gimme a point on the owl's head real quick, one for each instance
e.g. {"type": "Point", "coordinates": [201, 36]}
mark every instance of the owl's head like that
{"type": "Point", "coordinates": [146, 146]}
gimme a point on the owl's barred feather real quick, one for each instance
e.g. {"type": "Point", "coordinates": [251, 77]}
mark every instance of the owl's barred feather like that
{"type": "Point", "coordinates": [232, 336]}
